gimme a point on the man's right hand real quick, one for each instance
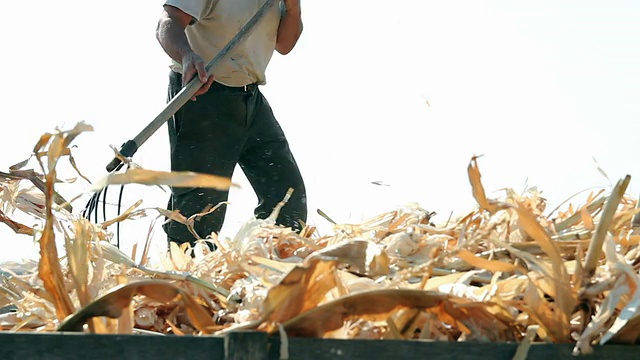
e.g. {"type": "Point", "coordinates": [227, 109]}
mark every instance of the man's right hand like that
{"type": "Point", "coordinates": [192, 65]}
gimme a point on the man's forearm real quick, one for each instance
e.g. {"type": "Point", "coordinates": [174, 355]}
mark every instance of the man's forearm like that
{"type": "Point", "coordinates": [173, 39]}
{"type": "Point", "coordinates": [289, 30]}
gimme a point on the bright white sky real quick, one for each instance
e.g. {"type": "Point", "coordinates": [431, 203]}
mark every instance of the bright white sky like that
{"type": "Point", "coordinates": [540, 88]}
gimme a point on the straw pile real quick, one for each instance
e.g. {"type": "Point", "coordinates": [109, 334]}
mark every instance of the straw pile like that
{"type": "Point", "coordinates": [504, 272]}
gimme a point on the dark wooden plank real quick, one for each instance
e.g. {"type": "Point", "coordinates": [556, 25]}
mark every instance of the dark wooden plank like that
{"type": "Point", "coordinates": [563, 351]}
{"type": "Point", "coordinates": [316, 349]}
{"type": "Point", "coordinates": [246, 345]}
{"type": "Point", "coordinates": [255, 345]}
{"type": "Point", "coordinates": [56, 346]}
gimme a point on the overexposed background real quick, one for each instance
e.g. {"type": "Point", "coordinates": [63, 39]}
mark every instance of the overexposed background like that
{"type": "Point", "coordinates": [405, 94]}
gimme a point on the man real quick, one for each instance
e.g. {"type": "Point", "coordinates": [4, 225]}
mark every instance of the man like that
{"type": "Point", "coordinates": [229, 121]}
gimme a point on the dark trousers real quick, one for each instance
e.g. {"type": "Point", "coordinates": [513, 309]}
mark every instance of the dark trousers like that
{"type": "Point", "coordinates": [224, 127]}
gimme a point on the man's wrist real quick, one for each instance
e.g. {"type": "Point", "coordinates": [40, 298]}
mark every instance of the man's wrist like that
{"type": "Point", "coordinates": [294, 11]}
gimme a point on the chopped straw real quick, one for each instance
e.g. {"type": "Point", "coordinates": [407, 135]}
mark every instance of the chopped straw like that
{"type": "Point", "coordinates": [503, 272]}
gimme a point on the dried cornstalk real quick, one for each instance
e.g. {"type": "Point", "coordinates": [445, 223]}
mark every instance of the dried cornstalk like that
{"type": "Point", "coordinates": [503, 272]}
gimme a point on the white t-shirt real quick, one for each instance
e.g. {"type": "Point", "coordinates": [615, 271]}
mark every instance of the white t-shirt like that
{"type": "Point", "coordinates": [218, 21]}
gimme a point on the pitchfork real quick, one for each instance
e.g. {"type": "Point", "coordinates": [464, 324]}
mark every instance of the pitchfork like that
{"type": "Point", "coordinates": [129, 148]}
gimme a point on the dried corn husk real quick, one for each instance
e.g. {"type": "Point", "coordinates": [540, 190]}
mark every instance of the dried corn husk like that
{"type": "Point", "coordinates": [503, 272]}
